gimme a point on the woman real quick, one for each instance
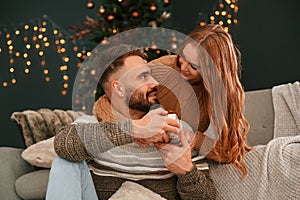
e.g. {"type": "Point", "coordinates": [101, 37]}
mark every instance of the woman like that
{"type": "Point", "coordinates": [211, 48]}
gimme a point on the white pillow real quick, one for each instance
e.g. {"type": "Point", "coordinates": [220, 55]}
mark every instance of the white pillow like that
{"type": "Point", "coordinates": [40, 154]}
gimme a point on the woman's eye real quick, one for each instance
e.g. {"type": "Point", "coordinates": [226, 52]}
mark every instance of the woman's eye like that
{"type": "Point", "coordinates": [195, 67]}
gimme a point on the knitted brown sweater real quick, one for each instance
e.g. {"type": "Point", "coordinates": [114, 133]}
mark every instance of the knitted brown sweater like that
{"type": "Point", "coordinates": [100, 137]}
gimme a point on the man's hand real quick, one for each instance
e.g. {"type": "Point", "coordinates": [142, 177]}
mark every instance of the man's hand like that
{"type": "Point", "coordinates": [154, 127]}
{"type": "Point", "coordinates": [178, 159]}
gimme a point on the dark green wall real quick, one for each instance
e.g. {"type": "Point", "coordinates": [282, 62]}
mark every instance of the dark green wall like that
{"type": "Point", "coordinates": [268, 37]}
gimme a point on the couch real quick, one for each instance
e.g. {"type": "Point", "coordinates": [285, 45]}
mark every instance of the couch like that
{"type": "Point", "coordinates": [21, 180]}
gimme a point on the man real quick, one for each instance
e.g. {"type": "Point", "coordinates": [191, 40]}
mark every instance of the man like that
{"type": "Point", "coordinates": [130, 91]}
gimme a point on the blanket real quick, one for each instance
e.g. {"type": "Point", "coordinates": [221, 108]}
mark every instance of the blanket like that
{"type": "Point", "coordinates": [273, 169]}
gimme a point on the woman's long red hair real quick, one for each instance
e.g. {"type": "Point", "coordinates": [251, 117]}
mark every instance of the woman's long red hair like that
{"type": "Point", "coordinates": [230, 146]}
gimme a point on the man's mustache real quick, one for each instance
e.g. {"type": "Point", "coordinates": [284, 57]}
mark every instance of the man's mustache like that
{"type": "Point", "coordinates": [152, 90]}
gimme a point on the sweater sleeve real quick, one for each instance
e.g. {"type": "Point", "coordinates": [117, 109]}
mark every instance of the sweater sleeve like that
{"type": "Point", "coordinates": [196, 185]}
{"type": "Point", "coordinates": [83, 141]}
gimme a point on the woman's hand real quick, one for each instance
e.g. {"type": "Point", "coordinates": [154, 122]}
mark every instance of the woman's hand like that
{"type": "Point", "coordinates": [177, 158]}
{"type": "Point", "coordinates": [153, 127]}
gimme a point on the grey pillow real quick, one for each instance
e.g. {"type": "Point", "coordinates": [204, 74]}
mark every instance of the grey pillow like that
{"type": "Point", "coordinates": [33, 185]}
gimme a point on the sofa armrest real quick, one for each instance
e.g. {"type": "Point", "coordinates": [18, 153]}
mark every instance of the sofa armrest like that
{"type": "Point", "coordinates": [12, 166]}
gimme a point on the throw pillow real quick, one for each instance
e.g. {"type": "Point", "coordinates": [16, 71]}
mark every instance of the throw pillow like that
{"type": "Point", "coordinates": [39, 125]}
{"type": "Point", "coordinates": [40, 154]}
{"type": "Point", "coordinates": [130, 190]}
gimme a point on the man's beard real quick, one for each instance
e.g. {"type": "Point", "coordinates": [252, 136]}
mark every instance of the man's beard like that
{"type": "Point", "coordinates": [136, 100]}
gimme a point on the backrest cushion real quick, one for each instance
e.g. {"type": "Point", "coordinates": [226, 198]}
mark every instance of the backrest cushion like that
{"type": "Point", "coordinates": [259, 112]}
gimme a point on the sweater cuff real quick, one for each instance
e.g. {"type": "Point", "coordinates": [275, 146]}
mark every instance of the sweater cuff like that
{"type": "Point", "coordinates": [188, 178]}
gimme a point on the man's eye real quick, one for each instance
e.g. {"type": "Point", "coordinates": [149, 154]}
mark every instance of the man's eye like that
{"type": "Point", "coordinates": [143, 76]}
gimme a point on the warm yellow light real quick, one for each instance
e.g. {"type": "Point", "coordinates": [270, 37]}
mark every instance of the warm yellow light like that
{"type": "Point", "coordinates": [4, 84]}
{"type": "Point", "coordinates": [152, 7]}
{"type": "Point", "coordinates": [223, 13]}
{"type": "Point", "coordinates": [221, 23]}
{"type": "Point", "coordinates": [75, 48]}
{"type": "Point", "coordinates": [226, 29]}
{"type": "Point", "coordinates": [28, 46]}
{"type": "Point", "coordinates": [14, 81]}
{"type": "Point", "coordinates": [44, 23]}
{"type": "Point", "coordinates": [45, 39]}
{"type": "Point", "coordinates": [11, 47]}
{"type": "Point", "coordinates": [66, 85]}
{"type": "Point", "coordinates": [35, 28]}
{"type": "Point", "coordinates": [9, 42]}
{"type": "Point", "coordinates": [18, 54]}
{"type": "Point", "coordinates": [17, 32]}
{"type": "Point", "coordinates": [41, 53]}
{"type": "Point", "coordinates": [40, 36]}
{"type": "Point", "coordinates": [11, 70]}
{"type": "Point", "coordinates": [55, 31]}
{"type": "Point", "coordinates": [228, 21]}
{"type": "Point", "coordinates": [235, 21]}
{"type": "Point", "coordinates": [26, 27]}
{"type": "Point", "coordinates": [56, 41]}
{"type": "Point", "coordinates": [88, 53]}
{"type": "Point", "coordinates": [62, 41]}
{"type": "Point", "coordinates": [47, 44]}
{"type": "Point", "coordinates": [217, 12]}
{"type": "Point", "coordinates": [66, 59]}
{"type": "Point", "coordinates": [232, 6]}
{"type": "Point", "coordinates": [26, 70]}
{"type": "Point", "coordinates": [37, 46]}
{"type": "Point", "coordinates": [28, 62]}
{"type": "Point", "coordinates": [44, 29]}
{"type": "Point", "coordinates": [0, 50]}
{"type": "Point", "coordinates": [212, 18]}
{"type": "Point", "coordinates": [101, 9]}
{"type": "Point", "coordinates": [25, 55]}
{"type": "Point", "coordinates": [79, 55]}
{"type": "Point", "coordinates": [63, 68]}
{"type": "Point", "coordinates": [46, 71]}
{"type": "Point", "coordinates": [202, 23]}
{"type": "Point", "coordinates": [66, 77]}
{"type": "Point", "coordinates": [236, 9]}
{"type": "Point", "coordinates": [114, 30]}
{"type": "Point", "coordinates": [228, 1]}
{"type": "Point", "coordinates": [64, 92]}
{"type": "Point", "coordinates": [63, 50]}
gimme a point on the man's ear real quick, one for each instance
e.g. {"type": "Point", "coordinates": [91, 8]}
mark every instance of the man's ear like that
{"type": "Point", "coordinates": [117, 88]}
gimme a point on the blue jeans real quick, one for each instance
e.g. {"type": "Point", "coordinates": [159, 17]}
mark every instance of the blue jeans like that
{"type": "Point", "coordinates": [70, 180]}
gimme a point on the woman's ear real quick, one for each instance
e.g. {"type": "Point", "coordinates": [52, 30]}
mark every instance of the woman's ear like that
{"type": "Point", "coordinates": [117, 88]}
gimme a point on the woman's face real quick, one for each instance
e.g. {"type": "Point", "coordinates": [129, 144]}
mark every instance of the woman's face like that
{"type": "Point", "coordinates": [188, 71]}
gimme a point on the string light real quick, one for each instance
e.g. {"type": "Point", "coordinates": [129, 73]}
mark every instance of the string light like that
{"type": "Point", "coordinates": [223, 14]}
{"type": "Point", "coordinates": [35, 37]}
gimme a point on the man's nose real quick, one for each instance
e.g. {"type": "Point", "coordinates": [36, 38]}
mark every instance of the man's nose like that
{"type": "Point", "coordinates": [153, 82]}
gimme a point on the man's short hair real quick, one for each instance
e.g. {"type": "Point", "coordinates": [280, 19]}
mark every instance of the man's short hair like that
{"type": "Point", "coordinates": [117, 64]}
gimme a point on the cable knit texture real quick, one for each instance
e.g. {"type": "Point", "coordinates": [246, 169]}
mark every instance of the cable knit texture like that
{"type": "Point", "coordinates": [273, 169]}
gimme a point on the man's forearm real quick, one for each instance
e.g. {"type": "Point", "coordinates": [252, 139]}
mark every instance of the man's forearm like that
{"type": "Point", "coordinates": [195, 185]}
{"type": "Point", "coordinates": [82, 141]}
